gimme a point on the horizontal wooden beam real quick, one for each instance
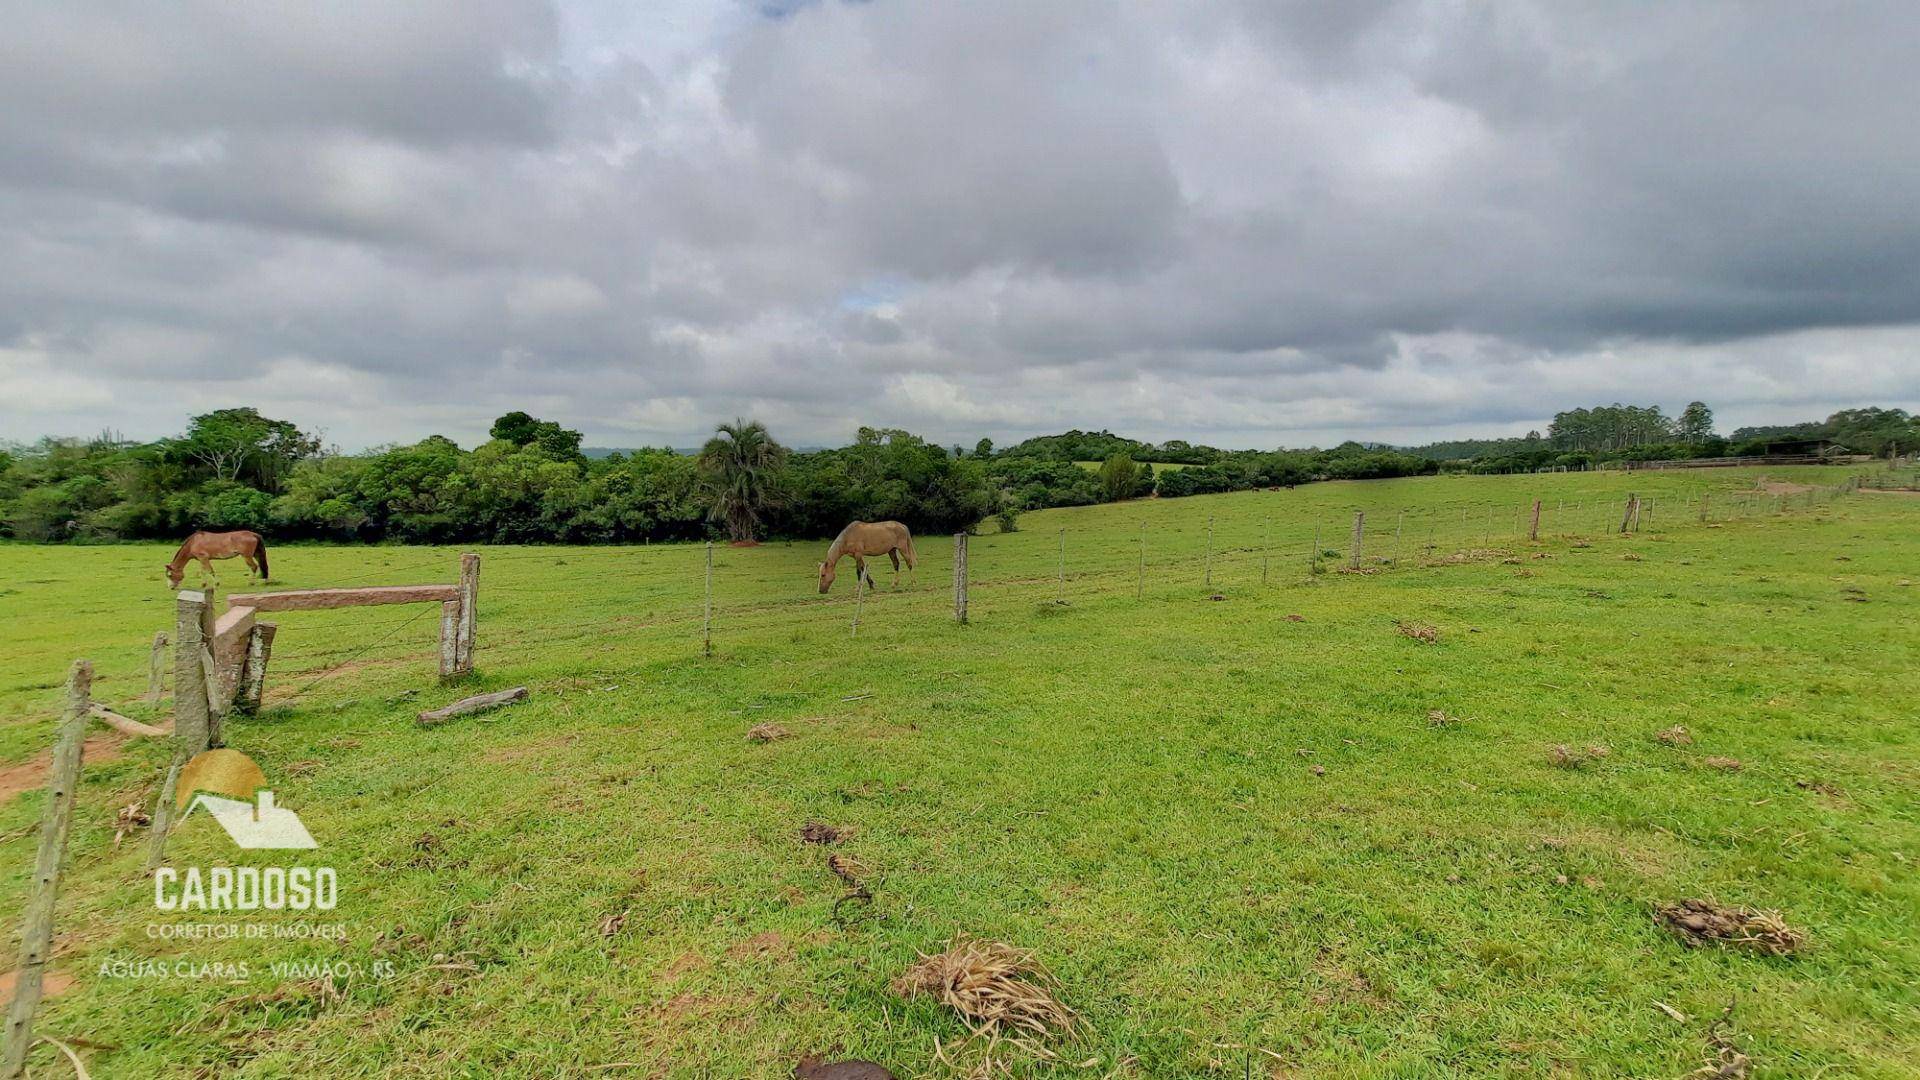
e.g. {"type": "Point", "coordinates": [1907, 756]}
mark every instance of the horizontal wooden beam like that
{"type": "Point", "coordinates": [310, 599]}
{"type": "Point", "coordinates": [127, 725]}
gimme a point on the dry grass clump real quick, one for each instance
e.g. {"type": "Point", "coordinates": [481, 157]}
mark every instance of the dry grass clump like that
{"type": "Point", "coordinates": [1677, 735]}
{"type": "Point", "coordinates": [766, 733]}
{"type": "Point", "coordinates": [1697, 922]}
{"type": "Point", "coordinates": [1724, 764]}
{"type": "Point", "coordinates": [1419, 631]}
{"type": "Point", "coordinates": [1000, 991]}
{"type": "Point", "coordinates": [1566, 757]}
{"type": "Point", "coordinates": [1440, 718]}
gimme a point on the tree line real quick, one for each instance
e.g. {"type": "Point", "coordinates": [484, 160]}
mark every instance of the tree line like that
{"type": "Point", "coordinates": [531, 482]}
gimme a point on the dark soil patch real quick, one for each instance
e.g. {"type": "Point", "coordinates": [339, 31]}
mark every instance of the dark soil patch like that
{"type": "Point", "coordinates": [819, 832]}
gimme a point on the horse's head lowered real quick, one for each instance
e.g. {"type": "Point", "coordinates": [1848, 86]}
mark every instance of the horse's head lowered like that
{"type": "Point", "coordinates": [174, 574]}
{"type": "Point", "coordinates": [826, 576]}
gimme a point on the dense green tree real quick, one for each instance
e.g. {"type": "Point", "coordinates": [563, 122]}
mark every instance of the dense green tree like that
{"type": "Point", "coordinates": [1696, 423]}
{"type": "Point", "coordinates": [1119, 478]}
{"type": "Point", "coordinates": [239, 445]}
{"type": "Point", "coordinates": [743, 469]}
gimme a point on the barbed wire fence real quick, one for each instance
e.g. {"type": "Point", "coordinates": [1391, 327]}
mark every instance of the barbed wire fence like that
{"type": "Point", "coordinates": [674, 605]}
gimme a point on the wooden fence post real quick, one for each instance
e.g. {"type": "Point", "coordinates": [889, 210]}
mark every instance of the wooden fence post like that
{"type": "Point", "coordinates": [36, 927]}
{"type": "Point", "coordinates": [1209, 551]}
{"type": "Point", "coordinates": [217, 700]}
{"type": "Point", "coordinates": [190, 705]}
{"type": "Point", "coordinates": [449, 638]}
{"type": "Point", "coordinates": [156, 668]}
{"type": "Point", "coordinates": [1399, 523]}
{"type": "Point", "coordinates": [162, 816]}
{"type": "Point", "coordinates": [859, 593]}
{"type": "Point", "coordinates": [1061, 598]}
{"type": "Point", "coordinates": [1266, 542]}
{"type": "Point", "coordinates": [1359, 532]}
{"type": "Point", "coordinates": [706, 618]}
{"type": "Point", "coordinates": [1703, 506]}
{"type": "Point", "coordinates": [1533, 533]}
{"type": "Point", "coordinates": [960, 578]}
{"type": "Point", "coordinates": [253, 680]}
{"type": "Point", "coordinates": [1313, 556]}
{"type": "Point", "coordinates": [469, 612]}
{"type": "Point", "coordinates": [1632, 511]}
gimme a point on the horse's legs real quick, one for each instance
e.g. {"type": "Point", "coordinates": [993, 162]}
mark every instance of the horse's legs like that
{"type": "Point", "coordinates": [207, 571]}
{"type": "Point", "coordinates": [894, 554]}
{"type": "Point", "coordinates": [860, 575]}
{"type": "Point", "coordinates": [253, 568]}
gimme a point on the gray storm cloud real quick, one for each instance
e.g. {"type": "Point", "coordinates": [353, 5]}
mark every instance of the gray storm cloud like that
{"type": "Point", "coordinates": [1254, 224]}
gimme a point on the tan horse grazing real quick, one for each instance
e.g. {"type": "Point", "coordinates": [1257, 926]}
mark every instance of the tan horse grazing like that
{"type": "Point", "coordinates": [866, 538]}
{"type": "Point", "coordinates": [208, 546]}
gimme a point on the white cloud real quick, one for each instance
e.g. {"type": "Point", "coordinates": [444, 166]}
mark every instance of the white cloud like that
{"type": "Point", "coordinates": [1245, 223]}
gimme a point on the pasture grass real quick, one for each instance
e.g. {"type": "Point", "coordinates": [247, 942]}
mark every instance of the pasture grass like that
{"type": "Point", "coordinates": [1222, 828]}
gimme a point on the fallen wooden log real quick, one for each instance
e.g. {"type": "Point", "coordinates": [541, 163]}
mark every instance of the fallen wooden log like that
{"type": "Point", "coordinates": [478, 703]}
{"type": "Point", "coordinates": [126, 725]}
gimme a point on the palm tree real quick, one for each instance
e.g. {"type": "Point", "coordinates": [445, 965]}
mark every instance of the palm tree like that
{"type": "Point", "coordinates": [742, 466]}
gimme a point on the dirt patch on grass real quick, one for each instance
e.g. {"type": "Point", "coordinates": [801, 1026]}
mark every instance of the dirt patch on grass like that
{"type": "Point", "coordinates": [819, 832]}
{"type": "Point", "coordinates": [1724, 764]}
{"type": "Point", "coordinates": [1782, 487]}
{"type": "Point", "coordinates": [766, 733]}
{"type": "Point", "coordinates": [1701, 922]}
{"type": "Point", "coordinates": [1676, 735]}
{"type": "Point", "coordinates": [52, 985]}
{"type": "Point", "coordinates": [770, 943]}
{"type": "Point", "coordinates": [28, 775]}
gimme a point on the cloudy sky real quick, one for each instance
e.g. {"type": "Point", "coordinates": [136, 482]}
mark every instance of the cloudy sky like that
{"type": "Point", "coordinates": [1255, 223]}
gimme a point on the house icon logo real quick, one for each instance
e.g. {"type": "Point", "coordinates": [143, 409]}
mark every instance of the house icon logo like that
{"type": "Point", "coordinates": [229, 786]}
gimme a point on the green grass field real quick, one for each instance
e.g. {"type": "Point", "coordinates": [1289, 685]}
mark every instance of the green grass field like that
{"type": "Point", "coordinates": [606, 880]}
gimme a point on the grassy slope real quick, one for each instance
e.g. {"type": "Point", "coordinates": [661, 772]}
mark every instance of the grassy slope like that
{"type": "Point", "coordinates": [1117, 784]}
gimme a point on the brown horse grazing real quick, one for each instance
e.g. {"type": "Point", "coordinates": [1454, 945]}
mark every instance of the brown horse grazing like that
{"type": "Point", "coordinates": [862, 539]}
{"type": "Point", "coordinates": [208, 546]}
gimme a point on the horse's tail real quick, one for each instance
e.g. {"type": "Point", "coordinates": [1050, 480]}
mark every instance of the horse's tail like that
{"type": "Point", "coordinates": [906, 548]}
{"type": "Point", "coordinates": [260, 553]}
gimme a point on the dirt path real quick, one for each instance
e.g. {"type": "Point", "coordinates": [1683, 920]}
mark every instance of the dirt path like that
{"type": "Point", "coordinates": [28, 775]}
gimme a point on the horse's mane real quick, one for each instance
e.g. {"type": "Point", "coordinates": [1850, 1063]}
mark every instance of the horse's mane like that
{"type": "Point", "coordinates": [840, 542]}
{"type": "Point", "coordinates": [180, 553]}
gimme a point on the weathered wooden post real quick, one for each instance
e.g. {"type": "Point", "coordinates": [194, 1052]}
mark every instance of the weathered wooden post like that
{"type": "Point", "coordinates": [36, 927]}
{"type": "Point", "coordinates": [1209, 551]}
{"type": "Point", "coordinates": [1533, 533]}
{"type": "Point", "coordinates": [1703, 506]}
{"type": "Point", "coordinates": [1313, 556]}
{"type": "Point", "coordinates": [1061, 597]}
{"type": "Point", "coordinates": [960, 578]}
{"type": "Point", "coordinates": [253, 680]}
{"type": "Point", "coordinates": [1359, 532]}
{"type": "Point", "coordinates": [469, 612]}
{"type": "Point", "coordinates": [1266, 542]}
{"type": "Point", "coordinates": [156, 668]}
{"type": "Point", "coordinates": [859, 593]}
{"type": "Point", "coordinates": [706, 618]}
{"type": "Point", "coordinates": [1398, 524]}
{"type": "Point", "coordinates": [449, 638]}
{"type": "Point", "coordinates": [190, 705]}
